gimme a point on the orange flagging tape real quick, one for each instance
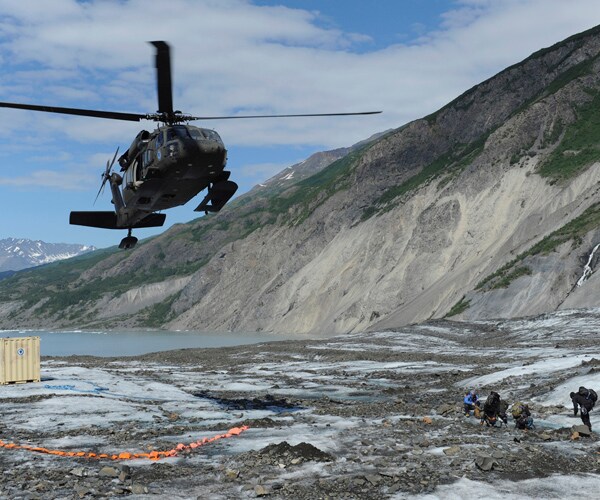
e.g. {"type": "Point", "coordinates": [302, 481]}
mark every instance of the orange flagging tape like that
{"type": "Point", "coordinates": [125, 455]}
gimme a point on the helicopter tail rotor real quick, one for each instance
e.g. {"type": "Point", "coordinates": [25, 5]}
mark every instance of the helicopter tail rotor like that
{"type": "Point", "coordinates": [106, 174]}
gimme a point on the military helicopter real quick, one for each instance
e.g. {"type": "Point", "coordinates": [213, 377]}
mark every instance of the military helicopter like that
{"type": "Point", "coordinates": [163, 168]}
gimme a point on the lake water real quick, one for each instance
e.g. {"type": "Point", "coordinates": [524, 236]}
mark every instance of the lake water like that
{"type": "Point", "coordinates": [131, 343]}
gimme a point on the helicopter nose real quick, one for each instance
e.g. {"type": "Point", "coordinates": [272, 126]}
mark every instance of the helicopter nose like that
{"type": "Point", "coordinates": [211, 147]}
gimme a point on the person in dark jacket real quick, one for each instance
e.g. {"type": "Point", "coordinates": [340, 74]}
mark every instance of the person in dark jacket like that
{"type": "Point", "coordinates": [494, 409]}
{"type": "Point", "coordinates": [583, 403]}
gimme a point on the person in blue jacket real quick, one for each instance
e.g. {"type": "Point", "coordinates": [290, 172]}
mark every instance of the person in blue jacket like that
{"type": "Point", "coordinates": [470, 402]}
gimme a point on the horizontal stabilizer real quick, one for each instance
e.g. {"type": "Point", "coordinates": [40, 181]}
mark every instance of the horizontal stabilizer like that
{"type": "Point", "coordinates": [108, 220]}
{"type": "Point", "coordinates": [152, 220]}
{"type": "Point", "coordinates": [219, 194]}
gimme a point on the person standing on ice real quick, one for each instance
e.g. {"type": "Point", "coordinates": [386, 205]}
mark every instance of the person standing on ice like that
{"type": "Point", "coordinates": [584, 400]}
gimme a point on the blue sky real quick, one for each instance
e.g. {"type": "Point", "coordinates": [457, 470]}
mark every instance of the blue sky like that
{"type": "Point", "coordinates": [405, 57]}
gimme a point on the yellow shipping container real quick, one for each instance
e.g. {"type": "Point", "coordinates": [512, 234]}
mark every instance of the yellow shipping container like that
{"type": "Point", "coordinates": [19, 360]}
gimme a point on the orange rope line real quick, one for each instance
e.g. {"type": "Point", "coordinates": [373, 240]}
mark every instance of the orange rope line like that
{"type": "Point", "coordinates": [125, 455]}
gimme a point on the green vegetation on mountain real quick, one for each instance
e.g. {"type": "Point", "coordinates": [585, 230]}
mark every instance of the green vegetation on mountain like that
{"type": "Point", "coordinates": [156, 315]}
{"type": "Point", "coordinates": [564, 78]}
{"type": "Point", "coordinates": [299, 202]}
{"type": "Point", "coordinates": [61, 298]}
{"type": "Point", "coordinates": [461, 306]}
{"type": "Point", "coordinates": [572, 231]}
{"type": "Point", "coordinates": [504, 276]}
{"type": "Point", "coordinates": [579, 147]}
{"type": "Point", "coordinates": [53, 276]}
{"type": "Point", "coordinates": [55, 287]}
{"type": "Point", "coordinates": [290, 205]}
{"type": "Point", "coordinates": [446, 167]}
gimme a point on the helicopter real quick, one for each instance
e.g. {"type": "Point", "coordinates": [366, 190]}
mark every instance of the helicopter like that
{"type": "Point", "coordinates": [163, 168]}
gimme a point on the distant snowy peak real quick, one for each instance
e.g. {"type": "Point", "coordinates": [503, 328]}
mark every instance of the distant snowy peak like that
{"type": "Point", "coordinates": [17, 254]}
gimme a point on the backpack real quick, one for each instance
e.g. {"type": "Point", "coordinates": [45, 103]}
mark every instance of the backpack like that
{"type": "Point", "coordinates": [517, 409]}
{"type": "Point", "coordinates": [592, 396]}
{"type": "Point", "coordinates": [492, 399]}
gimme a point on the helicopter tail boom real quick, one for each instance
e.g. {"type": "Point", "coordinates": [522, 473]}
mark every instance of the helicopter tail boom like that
{"type": "Point", "coordinates": [108, 220]}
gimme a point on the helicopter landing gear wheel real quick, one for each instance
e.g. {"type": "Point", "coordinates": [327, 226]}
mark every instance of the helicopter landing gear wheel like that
{"type": "Point", "coordinates": [128, 242]}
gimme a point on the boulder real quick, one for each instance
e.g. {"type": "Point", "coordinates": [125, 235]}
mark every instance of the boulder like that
{"type": "Point", "coordinates": [485, 462]}
{"type": "Point", "coordinates": [582, 430]}
{"type": "Point", "coordinates": [453, 450]}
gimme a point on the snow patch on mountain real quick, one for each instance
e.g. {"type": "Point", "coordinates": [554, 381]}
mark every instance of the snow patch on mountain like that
{"type": "Point", "coordinates": [17, 254]}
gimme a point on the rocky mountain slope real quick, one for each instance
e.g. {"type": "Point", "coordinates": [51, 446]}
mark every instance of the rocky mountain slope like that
{"type": "Point", "coordinates": [17, 254]}
{"type": "Point", "coordinates": [486, 208]}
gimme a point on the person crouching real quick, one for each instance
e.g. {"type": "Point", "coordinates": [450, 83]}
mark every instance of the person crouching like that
{"type": "Point", "coordinates": [471, 403]}
{"type": "Point", "coordinates": [494, 409]}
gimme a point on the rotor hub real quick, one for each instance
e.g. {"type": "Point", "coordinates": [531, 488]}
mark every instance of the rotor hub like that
{"type": "Point", "coordinates": [170, 118]}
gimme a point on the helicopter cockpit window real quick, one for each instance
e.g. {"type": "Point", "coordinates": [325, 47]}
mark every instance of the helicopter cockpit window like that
{"type": "Point", "coordinates": [196, 134]}
{"type": "Point", "coordinates": [171, 134]}
{"type": "Point", "coordinates": [148, 157]}
{"type": "Point", "coordinates": [159, 139]}
{"type": "Point", "coordinates": [212, 135]}
{"type": "Point", "coordinates": [181, 131]}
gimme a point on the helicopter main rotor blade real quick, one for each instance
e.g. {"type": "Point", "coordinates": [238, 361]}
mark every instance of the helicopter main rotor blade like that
{"type": "Point", "coordinates": [163, 78]}
{"type": "Point", "coordinates": [281, 116]}
{"type": "Point", "coordinates": [112, 115]}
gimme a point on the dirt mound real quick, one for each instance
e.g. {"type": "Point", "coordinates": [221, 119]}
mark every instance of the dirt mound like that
{"type": "Point", "coordinates": [305, 451]}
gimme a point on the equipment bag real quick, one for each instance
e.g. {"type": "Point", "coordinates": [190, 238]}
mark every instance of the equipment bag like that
{"type": "Point", "coordinates": [517, 409]}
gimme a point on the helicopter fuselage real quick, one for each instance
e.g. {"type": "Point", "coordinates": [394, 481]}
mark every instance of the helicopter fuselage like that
{"type": "Point", "coordinates": [168, 167]}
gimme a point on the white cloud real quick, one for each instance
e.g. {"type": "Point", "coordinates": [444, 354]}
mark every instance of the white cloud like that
{"type": "Point", "coordinates": [230, 56]}
{"type": "Point", "coordinates": [47, 179]}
